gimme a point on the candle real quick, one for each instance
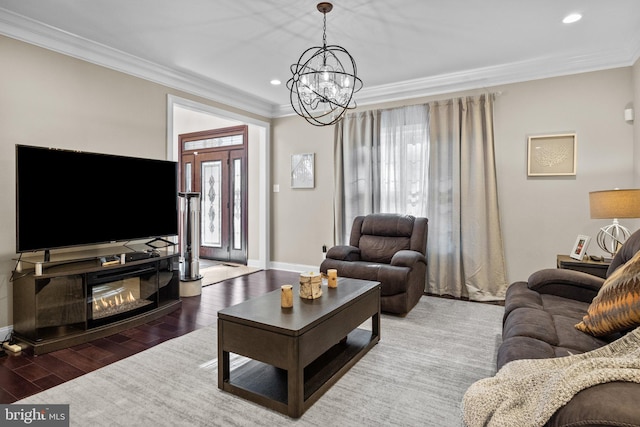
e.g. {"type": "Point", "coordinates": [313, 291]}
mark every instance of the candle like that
{"type": "Point", "coordinates": [332, 275]}
{"type": "Point", "coordinates": [286, 296]}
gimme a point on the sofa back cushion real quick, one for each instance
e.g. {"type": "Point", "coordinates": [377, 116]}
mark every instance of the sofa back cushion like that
{"type": "Point", "coordinates": [382, 235]}
{"type": "Point", "coordinates": [628, 250]}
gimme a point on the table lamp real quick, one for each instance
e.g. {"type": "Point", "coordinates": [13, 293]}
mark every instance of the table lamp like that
{"type": "Point", "coordinates": [614, 204]}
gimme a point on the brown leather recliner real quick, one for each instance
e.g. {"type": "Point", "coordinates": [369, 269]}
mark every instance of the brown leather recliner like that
{"type": "Point", "coordinates": [390, 249]}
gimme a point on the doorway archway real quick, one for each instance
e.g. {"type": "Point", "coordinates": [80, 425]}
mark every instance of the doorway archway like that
{"type": "Point", "coordinates": [259, 182]}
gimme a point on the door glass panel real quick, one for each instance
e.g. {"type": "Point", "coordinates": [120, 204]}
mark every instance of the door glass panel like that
{"type": "Point", "coordinates": [187, 178]}
{"type": "Point", "coordinates": [211, 212]}
{"type": "Point", "coordinates": [237, 204]}
{"type": "Point", "coordinates": [223, 141]}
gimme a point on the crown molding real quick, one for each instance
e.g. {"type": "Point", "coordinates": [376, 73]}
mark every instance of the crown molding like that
{"type": "Point", "coordinates": [479, 78]}
{"type": "Point", "coordinates": [34, 32]}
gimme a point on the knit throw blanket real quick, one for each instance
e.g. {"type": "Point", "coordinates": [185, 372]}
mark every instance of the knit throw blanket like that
{"type": "Point", "coordinates": [528, 392]}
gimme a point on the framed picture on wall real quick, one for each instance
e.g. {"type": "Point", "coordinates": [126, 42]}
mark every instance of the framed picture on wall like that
{"type": "Point", "coordinates": [302, 170]}
{"type": "Point", "coordinates": [552, 155]}
{"type": "Point", "coordinates": [580, 247]}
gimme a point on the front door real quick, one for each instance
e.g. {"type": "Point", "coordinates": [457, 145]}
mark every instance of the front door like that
{"type": "Point", "coordinates": [213, 163]}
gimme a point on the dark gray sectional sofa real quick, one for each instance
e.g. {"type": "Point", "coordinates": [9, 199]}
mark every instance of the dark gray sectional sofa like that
{"type": "Point", "coordinates": [539, 320]}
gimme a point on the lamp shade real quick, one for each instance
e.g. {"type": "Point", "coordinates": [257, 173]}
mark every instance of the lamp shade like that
{"type": "Point", "coordinates": [615, 204]}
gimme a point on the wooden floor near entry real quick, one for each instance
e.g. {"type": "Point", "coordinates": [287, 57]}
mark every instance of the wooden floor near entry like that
{"type": "Point", "coordinates": [24, 374]}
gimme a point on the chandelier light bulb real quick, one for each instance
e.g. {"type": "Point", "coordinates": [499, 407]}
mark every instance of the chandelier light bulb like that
{"type": "Point", "coordinates": [325, 75]}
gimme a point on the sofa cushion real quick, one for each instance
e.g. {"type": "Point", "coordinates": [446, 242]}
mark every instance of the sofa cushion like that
{"type": "Point", "coordinates": [532, 323]}
{"type": "Point", "coordinates": [616, 308]}
{"type": "Point", "coordinates": [515, 348]}
{"type": "Point", "coordinates": [519, 295]}
{"type": "Point", "coordinates": [542, 325]}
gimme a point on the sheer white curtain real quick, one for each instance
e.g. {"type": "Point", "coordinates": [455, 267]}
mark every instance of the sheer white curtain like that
{"type": "Point", "coordinates": [437, 161]}
{"type": "Point", "coordinates": [404, 160]}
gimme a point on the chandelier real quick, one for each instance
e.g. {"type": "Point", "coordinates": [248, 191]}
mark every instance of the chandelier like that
{"type": "Point", "coordinates": [324, 80]}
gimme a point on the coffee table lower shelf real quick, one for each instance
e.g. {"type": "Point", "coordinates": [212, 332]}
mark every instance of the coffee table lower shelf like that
{"type": "Point", "coordinates": [267, 385]}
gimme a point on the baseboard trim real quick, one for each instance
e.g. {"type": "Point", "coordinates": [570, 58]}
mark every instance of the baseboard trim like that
{"type": "Point", "coordinates": [299, 268]}
{"type": "Point", "coordinates": [254, 263]}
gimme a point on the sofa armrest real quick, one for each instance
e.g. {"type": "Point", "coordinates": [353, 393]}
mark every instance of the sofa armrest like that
{"type": "Point", "coordinates": [407, 258]}
{"type": "Point", "coordinates": [344, 253]}
{"type": "Point", "coordinates": [565, 283]}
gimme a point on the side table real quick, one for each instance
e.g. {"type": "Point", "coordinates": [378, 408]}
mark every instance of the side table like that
{"type": "Point", "coordinates": [597, 268]}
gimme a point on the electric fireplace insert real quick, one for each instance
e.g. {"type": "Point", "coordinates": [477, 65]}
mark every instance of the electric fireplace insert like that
{"type": "Point", "coordinates": [116, 295]}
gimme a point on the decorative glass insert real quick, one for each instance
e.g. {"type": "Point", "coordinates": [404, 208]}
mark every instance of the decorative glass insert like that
{"type": "Point", "coordinates": [223, 141]}
{"type": "Point", "coordinates": [237, 204]}
{"type": "Point", "coordinates": [211, 212]}
{"type": "Point", "coordinates": [188, 187]}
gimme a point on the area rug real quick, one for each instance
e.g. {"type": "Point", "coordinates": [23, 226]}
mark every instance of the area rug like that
{"type": "Point", "coordinates": [224, 271]}
{"type": "Point", "coordinates": [415, 376]}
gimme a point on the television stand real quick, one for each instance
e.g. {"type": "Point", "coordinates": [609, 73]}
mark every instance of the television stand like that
{"type": "Point", "coordinates": [71, 303]}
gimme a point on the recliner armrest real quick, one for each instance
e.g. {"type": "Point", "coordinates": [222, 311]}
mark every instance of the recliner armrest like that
{"type": "Point", "coordinates": [565, 283]}
{"type": "Point", "coordinates": [407, 258]}
{"type": "Point", "coordinates": [344, 253]}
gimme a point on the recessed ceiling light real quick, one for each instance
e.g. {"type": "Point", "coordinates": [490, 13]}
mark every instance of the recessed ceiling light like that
{"type": "Point", "coordinates": [570, 19]}
{"type": "Point", "coordinates": [275, 82]}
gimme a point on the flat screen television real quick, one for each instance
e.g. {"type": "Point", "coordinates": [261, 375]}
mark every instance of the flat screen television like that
{"type": "Point", "coordinates": [69, 198]}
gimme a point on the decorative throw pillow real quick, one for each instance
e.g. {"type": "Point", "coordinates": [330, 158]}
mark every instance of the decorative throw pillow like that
{"type": "Point", "coordinates": [616, 308]}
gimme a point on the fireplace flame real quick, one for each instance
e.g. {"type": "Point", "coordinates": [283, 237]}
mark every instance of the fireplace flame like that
{"type": "Point", "coordinates": [111, 302]}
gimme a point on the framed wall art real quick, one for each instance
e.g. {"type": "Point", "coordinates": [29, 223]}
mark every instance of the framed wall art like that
{"type": "Point", "coordinates": [580, 247]}
{"type": "Point", "coordinates": [302, 170]}
{"type": "Point", "coordinates": [552, 155]}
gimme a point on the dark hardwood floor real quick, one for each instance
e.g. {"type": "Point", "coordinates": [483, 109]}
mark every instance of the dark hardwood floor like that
{"type": "Point", "coordinates": [24, 374]}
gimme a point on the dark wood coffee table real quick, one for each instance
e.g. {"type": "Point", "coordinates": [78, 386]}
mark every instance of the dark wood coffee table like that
{"type": "Point", "coordinates": [297, 353]}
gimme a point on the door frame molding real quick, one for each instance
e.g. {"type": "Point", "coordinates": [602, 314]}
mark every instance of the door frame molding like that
{"type": "Point", "coordinates": [227, 195]}
{"type": "Point", "coordinates": [264, 127]}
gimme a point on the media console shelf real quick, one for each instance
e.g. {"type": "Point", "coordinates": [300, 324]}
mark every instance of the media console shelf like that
{"type": "Point", "coordinates": [75, 302]}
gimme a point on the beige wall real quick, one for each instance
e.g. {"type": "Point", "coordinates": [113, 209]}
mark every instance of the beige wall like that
{"type": "Point", "coordinates": [53, 100]}
{"type": "Point", "coordinates": [541, 217]}
{"type": "Point", "coordinates": [301, 219]}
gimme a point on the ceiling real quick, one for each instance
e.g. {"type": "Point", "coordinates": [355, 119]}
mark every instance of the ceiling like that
{"type": "Point", "coordinates": [229, 50]}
